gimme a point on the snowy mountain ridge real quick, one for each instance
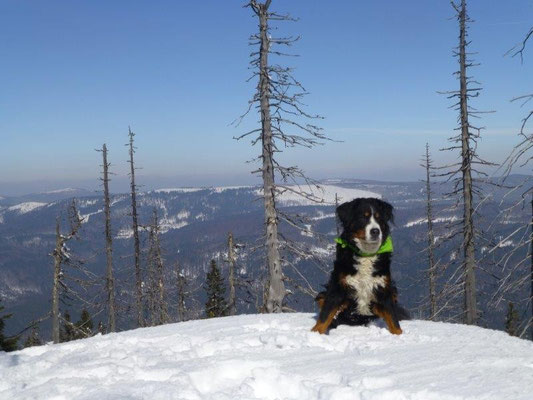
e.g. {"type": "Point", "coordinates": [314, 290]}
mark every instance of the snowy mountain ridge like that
{"type": "Point", "coordinates": [275, 357]}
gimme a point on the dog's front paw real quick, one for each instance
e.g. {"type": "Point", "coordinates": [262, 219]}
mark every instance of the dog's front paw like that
{"type": "Point", "coordinates": [320, 327]}
{"type": "Point", "coordinates": [396, 331]}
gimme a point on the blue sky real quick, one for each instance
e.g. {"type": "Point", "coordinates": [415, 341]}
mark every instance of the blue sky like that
{"type": "Point", "coordinates": [75, 74]}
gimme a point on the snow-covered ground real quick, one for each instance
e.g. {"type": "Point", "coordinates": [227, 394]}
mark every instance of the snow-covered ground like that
{"type": "Point", "coordinates": [275, 357]}
{"type": "Point", "coordinates": [27, 207]}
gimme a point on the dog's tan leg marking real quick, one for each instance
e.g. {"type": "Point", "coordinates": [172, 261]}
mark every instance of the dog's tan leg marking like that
{"type": "Point", "coordinates": [387, 317]}
{"type": "Point", "coordinates": [322, 327]}
{"type": "Point", "coordinates": [320, 301]}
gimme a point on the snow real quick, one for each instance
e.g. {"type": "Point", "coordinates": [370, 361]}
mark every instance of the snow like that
{"type": "Point", "coordinates": [178, 190]}
{"type": "Point", "coordinates": [66, 190]}
{"type": "Point", "coordinates": [85, 217]}
{"type": "Point", "coordinates": [326, 193]}
{"type": "Point", "coordinates": [24, 208]}
{"type": "Point", "coordinates": [437, 220]}
{"type": "Point", "coordinates": [222, 189]}
{"type": "Point", "coordinates": [275, 357]}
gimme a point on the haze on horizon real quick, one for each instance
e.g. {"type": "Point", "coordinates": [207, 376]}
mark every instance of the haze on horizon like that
{"type": "Point", "coordinates": [76, 75]}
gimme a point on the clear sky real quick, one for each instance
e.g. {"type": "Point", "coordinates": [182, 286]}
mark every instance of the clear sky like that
{"type": "Point", "coordinates": [75, 74]}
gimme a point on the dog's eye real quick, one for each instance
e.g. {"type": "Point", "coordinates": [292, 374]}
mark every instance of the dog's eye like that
{"type": "Point", "coordinates": [376, 215]}
{"type": "Point", "coordinates": [367, 214]}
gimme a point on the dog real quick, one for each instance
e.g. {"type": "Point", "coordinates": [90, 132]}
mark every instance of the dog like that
{"type": "Point", "coordinates": [360, 288]}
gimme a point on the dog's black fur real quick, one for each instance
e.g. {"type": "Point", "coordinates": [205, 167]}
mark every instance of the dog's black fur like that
{"type": "Point", "coordinates": [341, 303]}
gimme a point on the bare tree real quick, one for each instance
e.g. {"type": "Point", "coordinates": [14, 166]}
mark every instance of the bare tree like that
{"type": "Point", "coordinates": [461, 173]}
{"type": "Point", "coordinates": [61, 256]}
{"type": "Point", "coordinates": [110, 283]}
{"type": "Point", "coordinates": [517, 264]}
{"type": "Point", "coordinates": [135, 228]}
{"type": "Point", "coordinates": [231, 278]}
{"type": "Point", "coordinates": [432, 270]}
{"type": "Point", "coordinates": [182, 293]}
{"type": "Point", "coordinates": [156, 290]}
{"type": "Point", "coordinates": [278, 100]}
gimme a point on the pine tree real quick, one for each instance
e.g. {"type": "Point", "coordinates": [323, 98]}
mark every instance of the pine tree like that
{"type": "Point", "coordinates": [511, 320]}
{"type": "Point", "coordinates": [5, 343]}
{"type": "Point", "coordinates": [66, 333]}
{"type": "Point", "coordinates": [84, 327]}
{"type": "Point", "coordinates": [216, 305]}
{"type": "Point", "coordinates": [34, 338]}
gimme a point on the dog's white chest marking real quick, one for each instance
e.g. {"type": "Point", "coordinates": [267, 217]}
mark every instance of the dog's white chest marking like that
{"type": "Point", "coordinates": [364, 284]}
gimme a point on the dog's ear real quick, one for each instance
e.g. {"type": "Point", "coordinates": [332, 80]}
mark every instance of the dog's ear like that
{"type": "Point", "coordinates": [345, 211]}
{"type": "Point", "coordinates": [386, 210]}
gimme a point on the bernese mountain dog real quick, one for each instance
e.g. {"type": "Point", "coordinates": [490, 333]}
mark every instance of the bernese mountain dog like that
{"type": "Point", "coordinates": [360, 288]}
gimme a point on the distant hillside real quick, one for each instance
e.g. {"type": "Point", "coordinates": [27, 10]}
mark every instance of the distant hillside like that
{"type": "Point", "coordinates": [195, 223]}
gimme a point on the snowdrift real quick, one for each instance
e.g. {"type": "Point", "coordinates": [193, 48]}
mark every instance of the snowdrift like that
{"type": "Point", "coordinates": [275, 357]}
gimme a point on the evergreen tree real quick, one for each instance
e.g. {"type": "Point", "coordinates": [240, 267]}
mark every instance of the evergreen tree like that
{"type": "Point", "coordinates": [5, 343]}
{"type": "Point", "coordinates": [216, 305]}
{"type": "Point", "coordinates": [66, 333]}
{"type": "Point", "coordinates": [511, 320]}
{"type": "Point", "coordinates": [34, 338]}
{"type": "Point", "coordinates": [84, 327]}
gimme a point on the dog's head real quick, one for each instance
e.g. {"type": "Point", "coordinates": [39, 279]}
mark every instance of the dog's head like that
{"type": "Point", "coordinates": [366, 222]}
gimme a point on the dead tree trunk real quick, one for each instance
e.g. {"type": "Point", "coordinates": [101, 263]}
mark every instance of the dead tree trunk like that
{"type": "Point", "coordinates": [158, 307]}
{"type": "Point", "coordinates": [110, 283]}
{"type": "Point", "coordinates": [231, 279]}
{"type": "Point", "coordinates": [276, 287]}
{"type": "Point", "coordinates": [278, 99]}
{"type": "Point", "coordinates": [431, 240]}
{"type": "Point", "coordinates": [462, 173]}
{"type": "Point", "coordinates": [136, 241]}
{"type": "Point", "coordinates": [60, 256]}
{"type": "Point", "coordinates": [466, 168]}
{"type": "Point", "coordinates": [55, 287]}
{"type": "Point", "coordinates": [181, 283]}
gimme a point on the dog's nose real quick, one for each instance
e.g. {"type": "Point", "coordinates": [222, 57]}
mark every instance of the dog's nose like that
{"type": "Point", "coordinates": [374, 232]}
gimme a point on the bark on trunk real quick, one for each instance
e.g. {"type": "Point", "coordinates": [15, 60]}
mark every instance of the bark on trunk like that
{"type": "Point", "coordinates": [136, 243]}
{"type": "Point", "coordinates": [276, 287]}
{"type": "Point", "coordinates": [181, 295]}
{"type": "Point", "coordinates": [231, 262]}
{"type": "Point", "coordinates": [55, 287]}
{"type": "Point", "coordinates": [110, 283]}
{"type": "Point", "coordinates": [431, 243]}
{"type": "Point", "coordinates": [469, 256]}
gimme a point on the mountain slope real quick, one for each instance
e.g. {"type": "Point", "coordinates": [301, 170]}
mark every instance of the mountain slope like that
{"type": "Point", "coordinates": [275, 357]}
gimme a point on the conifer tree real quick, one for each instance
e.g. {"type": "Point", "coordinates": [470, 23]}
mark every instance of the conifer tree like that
{"type": "Point", "coordinates": [182, 292]}
{"type": "Point", "coordinates": [6, 344]}
{"type": "Point", "coordinates": [66, 333]}
{"type": "Point", "coordinates": [216, 305]}
{"type": "Point", "coordinates": [511, 320]}
{"type": "Point", "coordinates": [34, 338]}
{"type": "Point", "coordinates": [84, 327]}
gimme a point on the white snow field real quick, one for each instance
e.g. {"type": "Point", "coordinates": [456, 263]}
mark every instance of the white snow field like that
{"type": "Point", "coordinates": [275, 357]}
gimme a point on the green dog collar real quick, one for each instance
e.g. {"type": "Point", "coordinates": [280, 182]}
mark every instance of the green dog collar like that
{"type": "Point", "coordinates": [386, 247]}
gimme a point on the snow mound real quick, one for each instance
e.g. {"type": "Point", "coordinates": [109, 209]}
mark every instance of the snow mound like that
{"type": "Point", "coordinates": [24, 208]}
{"type": "Point", "coordinates": [275, 357]}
